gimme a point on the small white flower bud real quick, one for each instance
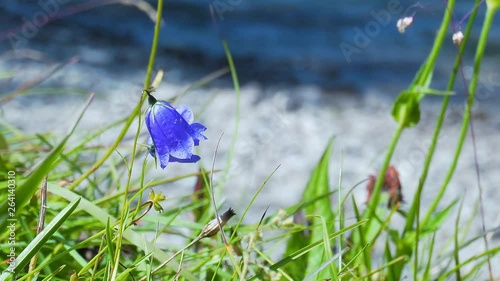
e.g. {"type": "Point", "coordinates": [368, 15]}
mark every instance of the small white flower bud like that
{"type": "Point", "coordinates": [457, 38]}
{"type": "Point", "coordinates": [404, 23]}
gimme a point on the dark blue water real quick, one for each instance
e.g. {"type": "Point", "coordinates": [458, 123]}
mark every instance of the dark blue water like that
{"type": "Point", "coordinates": [331, 44]}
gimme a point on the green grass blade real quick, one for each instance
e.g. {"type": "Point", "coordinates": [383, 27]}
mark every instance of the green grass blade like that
{"type": "Point", "coordinates": [54, 273]}
{"type": "Point", "coordinates": [435, 222]}
{"type": "Point", "coordinates": [25, 190]}
{"type": "Point", "coordinates": [427, 271]}
{"type": "Point", "coordinates": [109, 237]}
{"type": "Point", "coordinates": [327, 248]}
{"type": "Point", "coordinates": [358, 240]}
{"type": "Point", "coordinates": [240, 221]}
{"type": "Point", "coordinates": [34, 246]}
{"type": "Point", "coordinates": [134, 237]}
{"type": "Point", "coordinates": [318, 185]}
{"type": "Point", "coordinates": [295, 256]}
{"type": "Point", "coordinates": [388, 257]}
{"type": "Point", "coordinates": [236, 85]}
{"type": "Point", "coordinates": [126, 274]}
{"type": "Point", "coordinates": [484, 255]}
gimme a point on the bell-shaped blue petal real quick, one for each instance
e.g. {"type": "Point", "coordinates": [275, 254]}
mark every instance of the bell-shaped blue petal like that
{"type": "Point", "coordinates": [173, 136]}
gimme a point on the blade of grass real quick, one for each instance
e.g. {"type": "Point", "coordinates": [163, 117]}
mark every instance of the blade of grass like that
{"type": "Point", "coordinates": [327, 247]}
{"type": "Point", "coordinates": [132, 236]}
{"type": "Point", "coordinates": [340, 215]}
{"type": "Point", "coordinates": [27, 189]}
{"type": "Point", "coordinates": [318, 185]}
{"type": "Point", "coordinates": [360, 245]}
{"type": "Point", "coordinates": [236, 85]}
{"type": "Point", "coordinates": [456, 248]}
{"type": "Point", "coordinates": [203, 81]}
{"type": "Point", "coordinates": [32, 83]}
{"type": "Point", "coordinates": [34, 246]}
{"type": "Point", "coordinates": [304, 250]}
{"type": "Point", "coordinates": [54, 273]}
{"type": "Point", "coordinates": [252, 201]}
{"type": "Point", "coordinates": [125, 275]}
{"type": "Point", "coordinates": [427, 275]}
{"type": "Point", "coordinates": [329, 261]}
{"type": "Point", "coordinates": [465, 123]}
{"type": "Point", "coordinates": [484, 254]}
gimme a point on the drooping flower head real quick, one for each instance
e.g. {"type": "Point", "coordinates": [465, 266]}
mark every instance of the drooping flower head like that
{"type": "Point", "coordinates": [172, 133]}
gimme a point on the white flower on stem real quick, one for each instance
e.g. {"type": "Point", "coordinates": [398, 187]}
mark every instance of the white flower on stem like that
{"type": "Point", "coordinates": [404, 23]}
{"type": "Point", "coordinates": [457, 38]}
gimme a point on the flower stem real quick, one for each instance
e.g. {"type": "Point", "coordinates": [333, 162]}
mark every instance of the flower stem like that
{"type": "Point", "coordinates": [151, 100]}
{"type": "Point", "coordinates": [440, 120]}
{"type": "Point", "coordinates": [414, 212]}
{"type": "Point", "coordinates": [490, 13]}
{"type": "Point", "coordinates": [137, 110]}
{"type": "Point", "coordinates": [438, 43]}
{"type": "Point", "coordinates": [372, 205]}
{"type": "Point", "coordinates": [419, 81]}
{"type": "Point", "coordinates": [154, 46]}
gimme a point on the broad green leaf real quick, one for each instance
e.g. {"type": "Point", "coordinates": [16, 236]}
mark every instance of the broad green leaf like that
{"type": "Point", "coordinates": [34, 246]}
{"type": "Point", "coordinates": [296, 242]}
{"type": "Point", "coordinates": [406, 109]}
{"type": "Point", "coordinates": [404, 245]}
{"type": "Point", "coordinates": [318, 185]}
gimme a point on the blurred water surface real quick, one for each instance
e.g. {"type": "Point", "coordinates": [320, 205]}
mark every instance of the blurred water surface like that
{"type": "Point", "coordinates": [351, 45]}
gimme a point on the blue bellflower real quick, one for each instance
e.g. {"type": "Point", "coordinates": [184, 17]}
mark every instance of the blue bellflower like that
{"type": "Point", "coordinates": [172, 133]}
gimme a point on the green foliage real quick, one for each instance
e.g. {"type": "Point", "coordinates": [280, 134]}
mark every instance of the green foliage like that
{"type": "Point", "coordinates": [34, 246]}
{"type": "Point", "coordinates": [25, 191]}
{"type": "Point", "coordinates": [438, 219]}
{"type": "Point", "coordinates": [102, 227]}
{"type": "Point", "coordinates": [406, 109]}
{"type": "Point", "coordinates": [319, 211]}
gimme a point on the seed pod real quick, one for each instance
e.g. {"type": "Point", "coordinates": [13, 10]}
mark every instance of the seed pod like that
{"type": "Point", "coordinates": [212, 226]}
